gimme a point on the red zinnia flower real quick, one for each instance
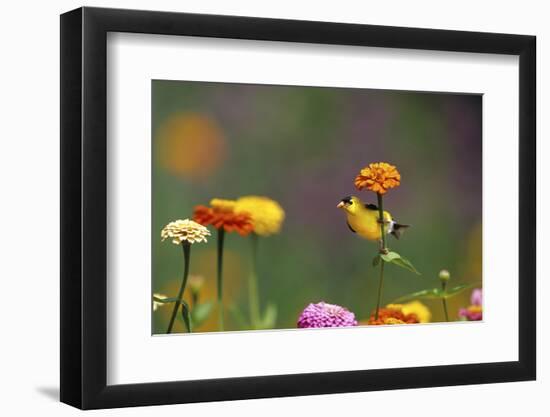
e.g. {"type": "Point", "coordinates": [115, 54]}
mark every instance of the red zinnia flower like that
{"type": "Point", "coordinates": [221, 215]}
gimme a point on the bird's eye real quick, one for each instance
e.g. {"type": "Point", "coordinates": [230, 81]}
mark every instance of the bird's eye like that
{"type": "Point", "coordinates": [350, 202]}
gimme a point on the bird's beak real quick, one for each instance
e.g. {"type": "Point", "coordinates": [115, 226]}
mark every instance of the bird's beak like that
{"type": "Point", "coordinates": [340, 204]}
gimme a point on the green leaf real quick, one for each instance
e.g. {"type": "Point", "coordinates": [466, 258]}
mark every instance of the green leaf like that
{"type": "Point", "coordinates": [201, 312]}
{"type": "Point", "coordinates": [396, 259]}
{"type": "Point", "coordinates": [405, 263]}
{"type": "Point", "coordinates": [185, 313]}
{"type": "Point", "coordinates": [376, 260]}
{"type": "Point", "coordinates": [269, 318]}
{"type": "Point", "coordinates": [390, 256]}
{"type": "Point", "coordinates": [430, 294]}
{"type": "Point", "coordinates": [435, 293]}
{"type": "Point", "coordinates": [165, 300]}
{"type": "Point", "coordinates": [456, 290]}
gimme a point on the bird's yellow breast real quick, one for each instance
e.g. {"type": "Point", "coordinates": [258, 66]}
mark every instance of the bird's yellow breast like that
{"type": "Point", "coordinates": [365, 223]}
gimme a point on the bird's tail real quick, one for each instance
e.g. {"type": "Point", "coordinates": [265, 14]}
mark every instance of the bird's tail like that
{"type": "Point", "coordinates": [398, 229]}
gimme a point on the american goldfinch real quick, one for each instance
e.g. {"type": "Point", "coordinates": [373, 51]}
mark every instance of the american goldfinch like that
{"type": "Point", "coordinates": [363, 219]}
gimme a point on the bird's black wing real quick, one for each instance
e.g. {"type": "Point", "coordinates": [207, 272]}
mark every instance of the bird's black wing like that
{"type": "Point", "coordinates": [351, 228]}
{"type": "Point", "coordinates": [371, 206]}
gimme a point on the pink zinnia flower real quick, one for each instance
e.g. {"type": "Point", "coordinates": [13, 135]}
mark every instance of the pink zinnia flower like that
{"type": "Point", "coordinates": [475, 311]}
{"type": "Point", "coordinates": [326, 315]}
{"type": "Point", "coordinates": [477, 297]}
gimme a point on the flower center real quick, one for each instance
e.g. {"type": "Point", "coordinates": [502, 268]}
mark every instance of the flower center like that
{"type": "Point", "coordinates": [333, 310]}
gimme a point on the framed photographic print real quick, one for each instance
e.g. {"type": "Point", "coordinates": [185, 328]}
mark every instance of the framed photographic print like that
{"type": "Point", "coordinates": [258, 208]}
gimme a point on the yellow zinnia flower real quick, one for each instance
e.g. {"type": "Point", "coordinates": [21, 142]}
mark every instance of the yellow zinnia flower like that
{"type": "Point", "coordinates": [392, 320]}
{"type": "Point", "coordinates": [267, 215]}
{"type": "Point", "coordinates": [378, 177]}
{"type": "Point", "coordinates": [223, 205]}
{"type": "Point", "coordinates": [422, 312]}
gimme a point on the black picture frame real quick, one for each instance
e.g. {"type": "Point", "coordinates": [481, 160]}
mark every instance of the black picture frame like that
{"type": "Point", "coordinates": [84, 207]}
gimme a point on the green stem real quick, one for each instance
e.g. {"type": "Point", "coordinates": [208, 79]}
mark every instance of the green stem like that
{"type": "Point", "coordinates": [379, 289]}
{"type": "Point", "coordinates": [221, 235]}
{"type": "Point", "coordinates": [445, 309]}
{"type": "Point", "coordinates": [382, 220]}
{"type": "Point", "coordinates": [253, 297]}
{"type": "Point", "coordinates": [186, 254]}
{"type": "Point", "coordinates": [444, 300]}
{"type": "Point", "coordinates": [186, 319]}
{"type": "Point", "coordinates": [382, 250]}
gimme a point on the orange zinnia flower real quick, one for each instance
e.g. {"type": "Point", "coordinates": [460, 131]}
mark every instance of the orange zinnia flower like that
{"type": "Point", "coordinates": [378, 177]}
{"type": "Point", "coordinates": [221, 215]}
{"type": "Point", "coordinates": [393, 316]}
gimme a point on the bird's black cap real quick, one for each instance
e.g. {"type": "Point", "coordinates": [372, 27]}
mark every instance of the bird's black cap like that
{"type": "Point", "coordinates": [346, 200]}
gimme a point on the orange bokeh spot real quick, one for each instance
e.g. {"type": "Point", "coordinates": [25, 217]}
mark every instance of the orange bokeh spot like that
{"type": "Point", "coordinates": [190, 145]}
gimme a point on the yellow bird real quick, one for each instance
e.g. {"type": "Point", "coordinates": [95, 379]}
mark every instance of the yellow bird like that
{"type": "Point", "coordinates": [364, 219]}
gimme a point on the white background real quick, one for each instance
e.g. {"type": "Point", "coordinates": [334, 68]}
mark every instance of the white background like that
{"type": "Point", "coordinates": [29, 176]}
{"type": "Point", "coordinates": [133, 60]}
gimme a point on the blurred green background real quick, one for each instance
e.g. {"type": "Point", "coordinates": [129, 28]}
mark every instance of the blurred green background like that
{"type": "Point", "coordinates": [303, 147]}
